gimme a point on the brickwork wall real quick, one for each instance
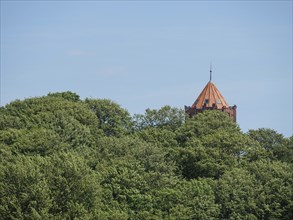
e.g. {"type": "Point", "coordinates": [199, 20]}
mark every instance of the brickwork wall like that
{"type": "Point", "coordinates": [231, 111]}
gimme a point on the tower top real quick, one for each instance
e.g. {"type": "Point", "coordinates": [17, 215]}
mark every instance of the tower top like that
{"type": "Point", "coordinates": [209, 97]}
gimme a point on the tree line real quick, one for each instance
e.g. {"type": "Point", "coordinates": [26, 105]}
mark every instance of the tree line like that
{"type": "Point", "coordinates": [66, 158]}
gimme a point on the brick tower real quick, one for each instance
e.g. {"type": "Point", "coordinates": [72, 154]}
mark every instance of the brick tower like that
{"type": "Point", "coordinates": [211, 99]}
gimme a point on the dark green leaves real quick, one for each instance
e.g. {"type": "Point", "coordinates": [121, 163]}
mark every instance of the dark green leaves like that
{"type": "Point", "coordinates": [65, 158]}
{"type": "Point", "coordinates": [113, 120]}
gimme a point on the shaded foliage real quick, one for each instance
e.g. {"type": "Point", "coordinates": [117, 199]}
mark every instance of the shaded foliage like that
{"type": "Point", "coordinates": [66, 158]}
{"type": "Point", "coordinates": [275, 144]}
{"type": "Point", "coordinates": [113, 120]}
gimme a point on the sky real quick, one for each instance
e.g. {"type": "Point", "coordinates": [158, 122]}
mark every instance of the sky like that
{"type": "Point", "coordinates": [148, 54]}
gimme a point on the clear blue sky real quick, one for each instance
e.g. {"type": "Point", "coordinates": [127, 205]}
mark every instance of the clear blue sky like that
{"type": "Point", "coordinates": [150, 54]}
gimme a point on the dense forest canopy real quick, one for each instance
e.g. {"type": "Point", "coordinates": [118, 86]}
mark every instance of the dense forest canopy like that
{"type": "Point", "coordinates": [66, 158]}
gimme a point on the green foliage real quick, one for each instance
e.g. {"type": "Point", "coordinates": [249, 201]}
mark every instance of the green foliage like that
{"type": "Point", "coordinates": [268, 138]}
{"type": "Point", "coordinates": [65, 158]}
{"type": "Point", "coordinates": [72, 121]}
{"type": "Point", "coordinates": [203, 162]}
{"type": "Point", "coordinates": [32, 142]}
{"type": "Point", "coordinates": [237, 195]}
{"type": "Point", "coordinates": [262, 190]}
{"type": "Point", "coordinates": [274, 143]}
{"type": "Point", "coordinates": [113, 120]}
{"type": "Point", "coordinates": [166, 117]}
{"type": "Point", "coordinates": [159, 137]}
{"type": "Point", "coordinates": [274, 189]}
{"type": "Point", "coordinates": [188, 200]}
{"type": "Point", "coordinates": [37, 187]}
{"type": "Point", "coordinates": [75, 188]}
{"type": "Point", "coordinates": [207, 122]}
{"type": "Point", "coordinates": [70, 96]}
{"type": "Point", "coordinates": [24, 192]}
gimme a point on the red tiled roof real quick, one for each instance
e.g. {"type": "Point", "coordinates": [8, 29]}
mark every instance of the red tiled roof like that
{"type": "Point", "coordinates": [210, 96]}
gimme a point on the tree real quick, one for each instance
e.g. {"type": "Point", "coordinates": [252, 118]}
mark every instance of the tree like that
{"type": "Point", "coordinates": [268, 138]}
{"type": "Point", "coordinates": [73, 122]}
{"type": "Point", "coordinates": [152, 158]}
{"type": "Point", "coordinates": [32, 142]}
{"type": "Point", "coordinates": [113, 120]}
{"type": "Point", "coordinates": [274, 189]}
{"type": "Point", "coordinates": [166, 117]}
{"type": "Point", "coordinates": [236, 195]}
{"type": "Point", "coordinates": [160, 137]}
{"type": "Point", "coordinates": [74, 188]}
{"type": "Point", "coordinates": [24, 190]}
{"type": "Point", "coordinates": [196, 200]}
{"type": "Point", "coordinates": [70, 96]}
{"type": "Point", "coordinates": [213, 154]}
{"type": "Point", "coordinates": [279, 147]}
{"type": "Point", "coordinates": [260, 190]}
{"type": "Point", "coordinates": [206, 123]}
{"type": "Point", "coordinates": [125, 188]}
{"type": "Point", "coordinates": [64, 158]}
{"type": "Point", "coordinates": [61, 186]}
{"type": "Point", "coordinates": [196, 160]}
{"type": "Point", "coordinates": [287, 154]}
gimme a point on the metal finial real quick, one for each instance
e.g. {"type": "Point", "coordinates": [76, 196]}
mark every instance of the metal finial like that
{"type": "Point", "coordinates": [211, 71]}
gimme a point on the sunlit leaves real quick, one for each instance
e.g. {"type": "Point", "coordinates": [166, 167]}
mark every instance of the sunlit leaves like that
{"type": "Point", "coordinates": [113, 120]}
{"type": "Point", "coordinates": [65, 158]}
{"type": "Point", "coordinates": [166, 117]}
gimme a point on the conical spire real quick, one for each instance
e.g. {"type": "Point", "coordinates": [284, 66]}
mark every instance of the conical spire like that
{"type": "Point", "coordinates": [210, 97]}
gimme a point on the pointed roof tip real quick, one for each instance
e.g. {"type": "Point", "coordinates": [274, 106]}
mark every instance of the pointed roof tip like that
{"type": "Point", "coordinates": [210, 96]}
